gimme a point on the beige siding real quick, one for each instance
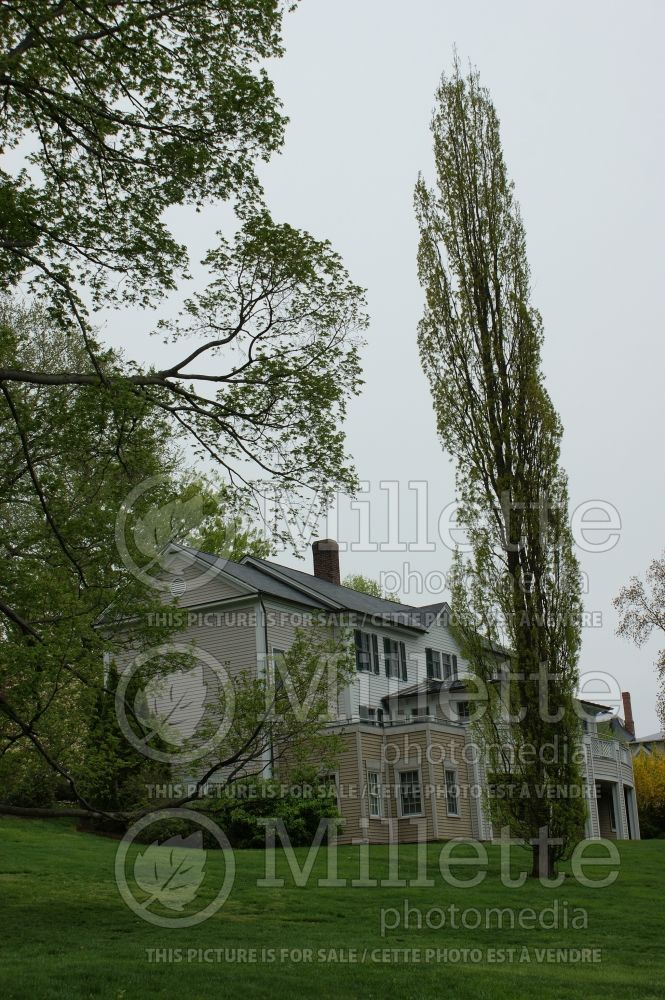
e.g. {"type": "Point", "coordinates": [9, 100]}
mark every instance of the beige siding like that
{"type": "Point", "coordinates": [282, 623]}
{"type": "Point", "coordinates": [203, 584]}
{"type": "Point", "coordinates": [453, 757]}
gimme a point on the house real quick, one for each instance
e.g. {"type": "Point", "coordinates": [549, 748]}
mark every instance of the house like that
{"type": "Point", "coordinates": [408, 767]}
{"type": "Point", "coordinates": [655, 743]}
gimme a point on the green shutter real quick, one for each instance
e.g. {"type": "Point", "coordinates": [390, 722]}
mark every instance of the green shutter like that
{"type": "Point", "coordinates": [430, 665]}
{"type": "Point", "coordinates": [386, 655]}
{"type": "Point", "coordinates": [375, 652]}
{"type": "Point", "coordinates": [402, 657]}
{"type": "Point", "coordinates": [359, 645]}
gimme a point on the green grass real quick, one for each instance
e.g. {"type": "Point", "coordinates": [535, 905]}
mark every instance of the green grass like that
{"type": "Point", "coordinates": [65, 932]}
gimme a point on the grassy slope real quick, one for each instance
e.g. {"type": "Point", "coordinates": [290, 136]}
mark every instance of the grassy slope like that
{"type": "Point", "coordinates": [66, 933]}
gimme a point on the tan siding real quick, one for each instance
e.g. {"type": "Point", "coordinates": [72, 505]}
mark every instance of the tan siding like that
{"type": "Point", "coordinates": [453, 826]}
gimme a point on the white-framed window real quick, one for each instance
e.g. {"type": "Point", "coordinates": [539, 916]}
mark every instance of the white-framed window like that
{"type": "Point", "coordinates": [394, 655]}
{"type": "Point", "coordinates": [410, 793]}
{"type": "Point", "coordinates": [452, 791]}
{"type": "Point", "coordinates": [374, 794]}
{"type": "Point", "coordinates": [367, 651]}
{"type": "Point", "coordinates": [433, 662]}
{"type": "Point", "coordinates": [371, 715]}
{"type": "Point", "coordinates": [463, 710]}
{"type": "Point", "coordinates": [449, 663]}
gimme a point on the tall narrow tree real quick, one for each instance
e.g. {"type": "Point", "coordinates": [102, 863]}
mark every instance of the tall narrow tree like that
{"type": "Point", "coordinates": [516, 597]}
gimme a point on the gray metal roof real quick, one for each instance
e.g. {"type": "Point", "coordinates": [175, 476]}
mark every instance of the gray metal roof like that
{"type": "Point", "coordinates": [257, 581]}
{"type": "Point", "coordinates": [429, 686]}
{"type": "Point", "coordinates": [266, 577]}
{"type": "Point", "coordinates": [346, 598]}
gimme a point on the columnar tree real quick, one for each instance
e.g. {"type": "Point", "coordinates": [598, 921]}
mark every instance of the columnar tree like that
{"type": "Point", "coordinates": [516, 595]}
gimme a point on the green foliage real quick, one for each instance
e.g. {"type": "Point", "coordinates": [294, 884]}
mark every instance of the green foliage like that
{"type": "Point", "coordinates": [128, 109]}
{"type": "Point", "coordinates": [113, 116]}
{"type": "Point", "coordinates": [641, 606]}
{"type": "Point", "coordinates": [516, 599]}
{"type": "Point", "coordinates": [301, 805]}
{"type": "Point", "coordinates": [27, 780]}
{"type": "Point", "coordinates": [649, 771]}
{"type": "Point", "coordinates": [114, 775]}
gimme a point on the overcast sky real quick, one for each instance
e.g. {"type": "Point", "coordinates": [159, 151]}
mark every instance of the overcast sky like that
{"type": "Point", "coordinates": [579, 92]}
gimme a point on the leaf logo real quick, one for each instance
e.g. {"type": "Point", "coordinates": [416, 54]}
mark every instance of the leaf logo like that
{"type": "Point", "coordinates": [172, 707]}
{"type": "Point", "coordinates": [164, 524]}
{"type": "Point", "coordinates": [171, 873]}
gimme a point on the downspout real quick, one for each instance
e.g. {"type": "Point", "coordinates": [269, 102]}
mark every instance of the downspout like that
{"type": "Point", "coordinates": [265, 644]}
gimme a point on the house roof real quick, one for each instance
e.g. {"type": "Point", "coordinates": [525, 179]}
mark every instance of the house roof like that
{"type": "Point", "coordinates": [263, 576]}
{"type": "Point", "coordinates": [256, 581]}
{"type": "Point", "coordinates": [654, 738]}
{"type": "Point", "coordinates": [429, 686]}
{"type": "Point", "coordinates": [347, 599]}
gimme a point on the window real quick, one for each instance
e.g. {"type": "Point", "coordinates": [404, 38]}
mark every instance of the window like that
{"type": "Point", "coordinates": [613, 818]}
{"type": "Point", "coordinates": [410, 799]}
{"type": "Point", "coordinates": [449, 666]}
{"type": "Point", "coordinates": [394, 653]}
{"type": "Point", "coordinates": [463, 710]}
{"type": "Point", "coordinates": [374, 794]}
{"type": "Point", "coordinates": [372, 715]}
{"type": "Point", "coordinates": [433, 660]}
{"type": "Point", "coordinates": [452, 791]}
{"type": "Point", "coordinates": [367, 652]}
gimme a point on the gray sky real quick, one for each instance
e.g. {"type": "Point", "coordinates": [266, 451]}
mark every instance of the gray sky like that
{"type": "Point", "coordinates": [579, 92]}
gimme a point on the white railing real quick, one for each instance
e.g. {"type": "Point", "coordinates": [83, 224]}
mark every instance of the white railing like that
{"type": "Point", "coordinates": [604, 748]}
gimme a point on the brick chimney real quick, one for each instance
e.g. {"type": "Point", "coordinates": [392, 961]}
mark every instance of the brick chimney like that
{"type": "Point", "coordinates": [326, 559]}
{"type": "Point", "coordinates": [628, 713]}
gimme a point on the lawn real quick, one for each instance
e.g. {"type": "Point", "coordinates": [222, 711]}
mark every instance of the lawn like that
{"type": "Point", "coordinates": [67, 934]}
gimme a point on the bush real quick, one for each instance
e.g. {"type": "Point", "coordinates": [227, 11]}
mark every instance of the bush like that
{"type": "Point", "coordinates": [26, 780]}
{"type": "Point", "coordinates": [301, 806]}
{"type": "Point", "coordinates": [649, 771]}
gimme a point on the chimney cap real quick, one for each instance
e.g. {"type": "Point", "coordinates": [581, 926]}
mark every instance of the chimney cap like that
{"type": "Point", "coordinates": [326, 544]}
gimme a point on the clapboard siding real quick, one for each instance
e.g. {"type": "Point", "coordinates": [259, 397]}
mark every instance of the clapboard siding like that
{"type": "Point", "coordinates": [369, 688]}
{"type": "Point", "coordinates": [453, 756]}
{"type": "Point", "coordinates": [282, 623]}
{"type": "Point", "coordinates": [202, 583]}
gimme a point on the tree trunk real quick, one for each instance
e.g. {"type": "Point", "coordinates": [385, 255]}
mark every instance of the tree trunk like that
{"type": "Point", "coordinates": [543, 867]}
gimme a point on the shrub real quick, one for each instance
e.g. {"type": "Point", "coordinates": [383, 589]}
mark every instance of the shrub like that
{"type": "Point", "coordinates": [649, 771]}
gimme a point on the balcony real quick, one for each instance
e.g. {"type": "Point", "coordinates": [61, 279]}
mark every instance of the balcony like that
{"type": "Point", "coordinates": [609, 749]}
